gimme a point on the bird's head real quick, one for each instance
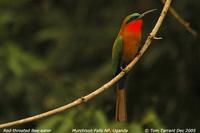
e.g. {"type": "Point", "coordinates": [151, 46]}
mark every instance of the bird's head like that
{"type": "Point", "coordinates": [133, 22]}
{"type": "Point", "coordinates": [136, 16]}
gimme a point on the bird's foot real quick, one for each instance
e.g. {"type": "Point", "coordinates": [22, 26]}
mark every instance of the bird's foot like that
{"type": "Point", "coordinates": [123, 70]}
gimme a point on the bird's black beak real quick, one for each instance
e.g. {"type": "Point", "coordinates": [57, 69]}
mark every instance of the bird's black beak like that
{"type": "Point", "coordinates": [149, 11]}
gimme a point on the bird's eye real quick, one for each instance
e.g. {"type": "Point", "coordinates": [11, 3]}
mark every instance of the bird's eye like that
{"type": "Point", "coordinates": [135, 17]}
{"type": "Point", "coordinates": [131, 19]}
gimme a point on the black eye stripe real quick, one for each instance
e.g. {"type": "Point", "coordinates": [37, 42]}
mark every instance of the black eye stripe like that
{"type": "Point", "coordinates": [134, 17]}
{"type": "Point", "coordinates": [131, 19]}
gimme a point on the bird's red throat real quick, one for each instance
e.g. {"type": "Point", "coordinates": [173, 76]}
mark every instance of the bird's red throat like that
{"type": "Point", "coordinates": [135, 26]}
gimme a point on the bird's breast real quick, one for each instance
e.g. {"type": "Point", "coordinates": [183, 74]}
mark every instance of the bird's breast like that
{"type": "Point", "coordinates": [130, 45]}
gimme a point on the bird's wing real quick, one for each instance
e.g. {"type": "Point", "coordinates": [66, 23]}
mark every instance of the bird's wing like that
{"type": "Point", "coordinates": [117, 54]}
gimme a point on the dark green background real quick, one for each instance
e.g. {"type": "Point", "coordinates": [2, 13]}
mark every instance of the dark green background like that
{"type": "Point", "coordinates": [54, 51]}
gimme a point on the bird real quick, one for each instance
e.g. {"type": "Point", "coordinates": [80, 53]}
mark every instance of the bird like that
{"type": "Point", "coordinates": [125, 48]}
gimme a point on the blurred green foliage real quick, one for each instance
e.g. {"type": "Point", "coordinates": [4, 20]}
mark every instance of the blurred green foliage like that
{"type": "Point", "coordinates": [54, 51]}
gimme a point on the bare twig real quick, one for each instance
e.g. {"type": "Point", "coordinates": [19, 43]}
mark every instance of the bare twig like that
{"type": "Point", "coordinates": [184, 23]}
{"type": "Point", "coordinates": [157, 38]}
{"type": "Point", "coordinates": [105, 86]}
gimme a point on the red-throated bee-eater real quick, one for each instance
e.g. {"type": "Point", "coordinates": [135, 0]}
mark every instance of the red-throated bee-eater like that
{"type": "Point", "coordinates": [124, 50]}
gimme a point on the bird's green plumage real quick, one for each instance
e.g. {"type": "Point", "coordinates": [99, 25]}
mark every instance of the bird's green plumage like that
{"type": "Point", "coordinates": [131, 17]}
{"type": "Point", "coordinates": [117, 53]}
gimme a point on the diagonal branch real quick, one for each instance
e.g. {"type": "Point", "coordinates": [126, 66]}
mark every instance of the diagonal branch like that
{"type": "Point", "coordinates": [184, 23]}
{"type": "Point", "coordinates": [105, 86]}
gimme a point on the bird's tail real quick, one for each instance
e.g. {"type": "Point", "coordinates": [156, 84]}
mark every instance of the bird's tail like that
{"type": "Point", "coordinates": [121, 114]}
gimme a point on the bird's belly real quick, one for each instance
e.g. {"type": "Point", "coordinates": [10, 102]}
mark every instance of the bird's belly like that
{"type": "Point", "coordinates": [130, 49]}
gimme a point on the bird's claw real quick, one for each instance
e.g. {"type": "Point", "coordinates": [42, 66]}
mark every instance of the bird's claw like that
{"type": "Point", "coordinates": [123, 70]}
